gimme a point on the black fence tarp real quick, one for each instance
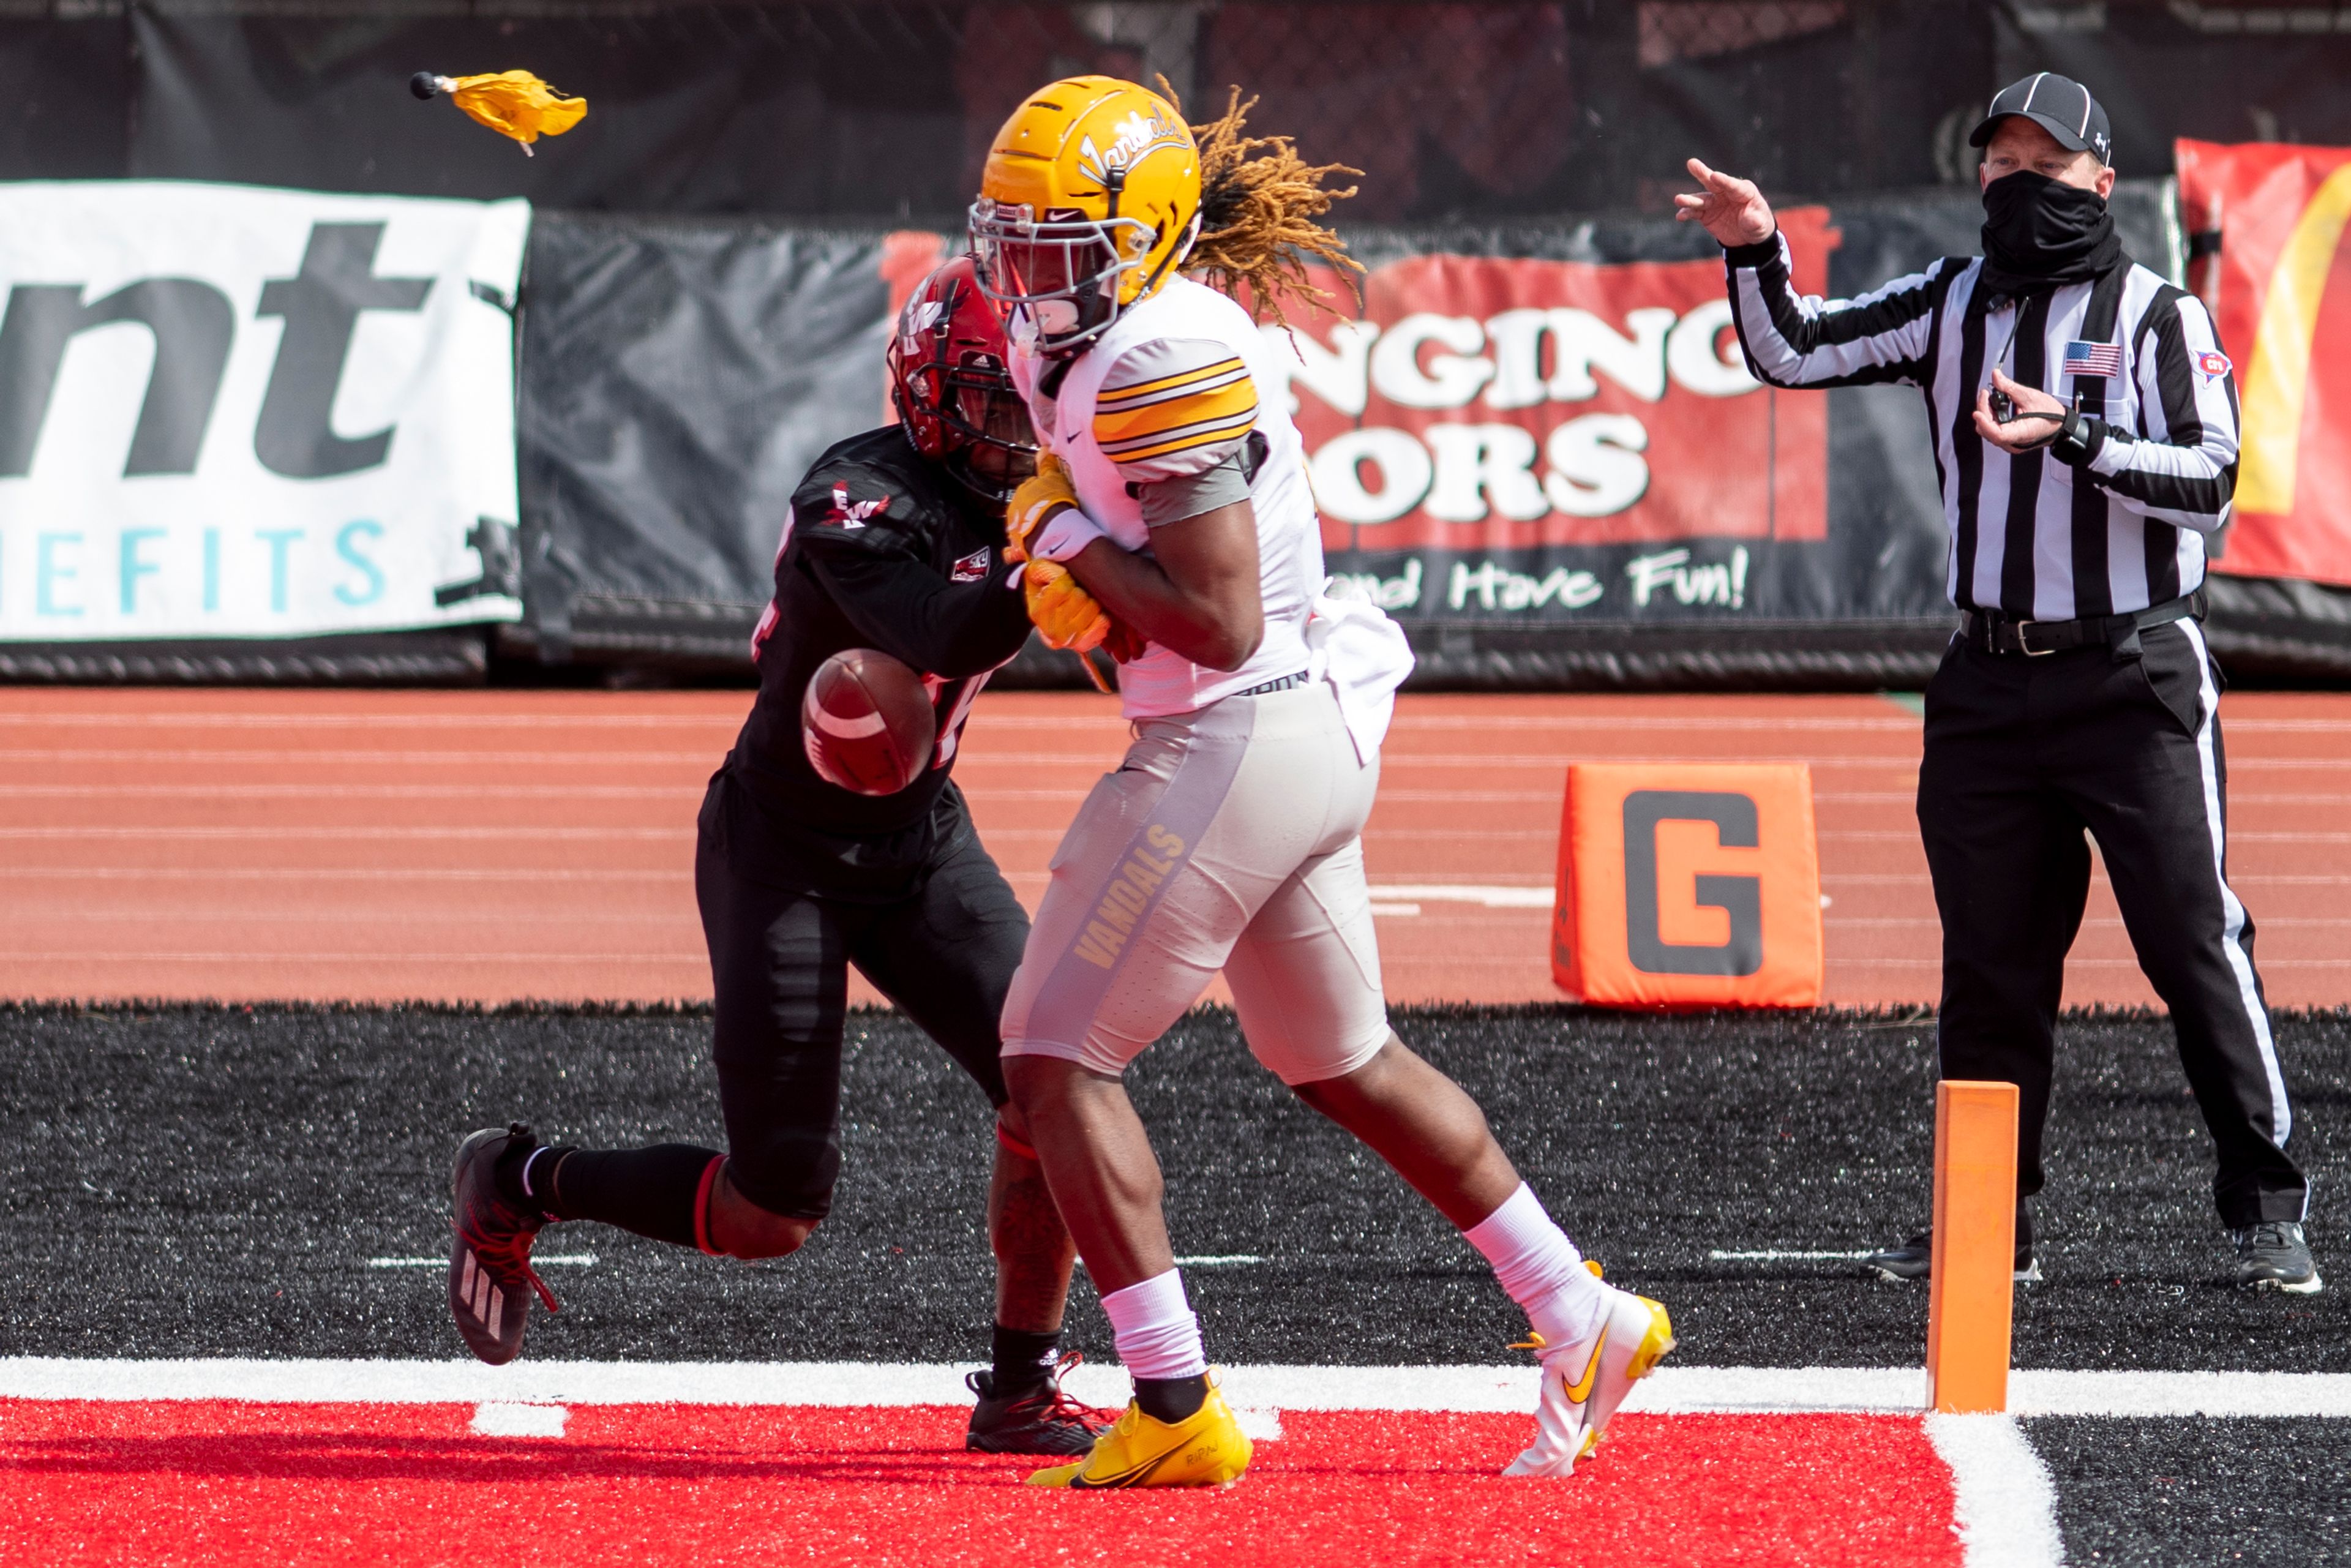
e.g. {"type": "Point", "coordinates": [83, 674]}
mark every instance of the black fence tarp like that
{"type": "Point", "coordinates": [881, 109]}
{"type": "Point", "coordinates": [678, 377]}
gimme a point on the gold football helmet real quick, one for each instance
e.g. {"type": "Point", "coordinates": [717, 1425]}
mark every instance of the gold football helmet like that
{"type": "Point", "coordinates": [1090, 201]}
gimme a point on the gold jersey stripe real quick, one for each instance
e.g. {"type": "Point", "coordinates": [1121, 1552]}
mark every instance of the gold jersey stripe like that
{"type": "Point", "coordinates": [1220, 420]}
{"type": "Point", "coordinates": [1182, 440]}
{"type": "Point", "coordinates": [1127, 406]}
{"type": "Point", "coordinates": [1150, 391]}
{"type": "Point", "coordinates": [1166, 418]}
{"type": "Point", "coordinates": [1234, 400]}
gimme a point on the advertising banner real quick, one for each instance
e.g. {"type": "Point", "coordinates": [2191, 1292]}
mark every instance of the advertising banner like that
{"type": "Point", "coordinates": [238, 412]}
{"type": "Point", "coordinates": [1537, 446]}
{"type": "Point", "coordinates": [2268, 225]}
{"type": "Point", "coordinates": [1553, 441]}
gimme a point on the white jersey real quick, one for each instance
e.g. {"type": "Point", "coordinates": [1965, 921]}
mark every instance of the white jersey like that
{"type": "Point", "coordinates": [1169, 390]}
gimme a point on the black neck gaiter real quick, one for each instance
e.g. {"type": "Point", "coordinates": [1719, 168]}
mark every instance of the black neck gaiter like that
{"type": "Point", "coordinates": [2040, 233]}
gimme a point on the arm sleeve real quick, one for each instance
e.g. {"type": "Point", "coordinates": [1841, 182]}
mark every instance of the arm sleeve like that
{"type": "Point", "coordinates": [1801, 341]}
{"type": "Point", "coordinates": [2188, 475]}
{"type": "Point", "coordinates": [1188, 496]}
{"type": "Point", "coordinates": [1173, 409]}
{"type": "Point", "coordinates": [884, 583]}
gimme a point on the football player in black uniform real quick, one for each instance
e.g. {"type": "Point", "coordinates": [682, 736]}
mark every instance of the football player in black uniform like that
{"type": "Point", "coordinates": [895, 542]}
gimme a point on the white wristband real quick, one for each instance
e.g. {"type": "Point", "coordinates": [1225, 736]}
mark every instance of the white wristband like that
{"type": "Point", "coordinates": [1066, 533]}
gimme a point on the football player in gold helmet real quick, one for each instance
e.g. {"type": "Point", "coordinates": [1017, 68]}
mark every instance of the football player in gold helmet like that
{"type": "Point", "coordinates": [1091, 200]}
{"type": "Point", "coordinates": [1176, 498]}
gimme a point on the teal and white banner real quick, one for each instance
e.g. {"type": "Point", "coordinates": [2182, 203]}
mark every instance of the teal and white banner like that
{"type": "Point", "coordinates": [232, 412]}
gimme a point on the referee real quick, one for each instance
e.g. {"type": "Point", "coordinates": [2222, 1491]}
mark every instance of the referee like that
{"type": "Point", "coordinates": [2085, 424]}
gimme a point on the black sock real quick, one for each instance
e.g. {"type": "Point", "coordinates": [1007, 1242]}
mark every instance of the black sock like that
{"type": "Point", "coordinates": [538, 1160]}
{"type": "Point", "coordinates": [1024, 1361]}
{"type": "Point", "coordinates": [1171, 1399]}
{"type": "Point", "coordinates": [650, 1191]}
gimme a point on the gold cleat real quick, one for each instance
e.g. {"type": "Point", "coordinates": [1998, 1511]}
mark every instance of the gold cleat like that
{"type": "Point", "coordinates": [1206, 1449]}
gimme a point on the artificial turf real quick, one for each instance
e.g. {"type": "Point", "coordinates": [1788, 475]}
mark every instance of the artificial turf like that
{"type": "Point", "coordinates": [215, 1181]}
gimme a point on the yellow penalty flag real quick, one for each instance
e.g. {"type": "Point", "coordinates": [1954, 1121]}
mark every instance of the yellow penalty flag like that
{"type": "Point", "coordinates": [512, 103]}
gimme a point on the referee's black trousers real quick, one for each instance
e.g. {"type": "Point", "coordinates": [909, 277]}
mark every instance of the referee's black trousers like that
{"type": "Point", "coordinates": [2022, 756]}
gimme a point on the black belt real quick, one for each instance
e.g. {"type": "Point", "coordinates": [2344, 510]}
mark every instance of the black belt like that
{"type": "Point", "coordinates": [1283, 685]}
{"type": "Point", "coordinates": [1995, 632]}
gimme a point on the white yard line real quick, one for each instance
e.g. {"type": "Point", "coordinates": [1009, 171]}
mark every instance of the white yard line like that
{"type": "Point", "coordinates": [2177, 1393]}
{"type": "Point", "coordinates": [1673, 1390]}
{"type": "Point", "coordinates": [1493, 895]}
{"type": "Point", "coordinates": [494, 1420]}
{"type": "Point", "coordinates": [2003, 1503]}
{"type": "Point", "coordinates": [540, 1260]}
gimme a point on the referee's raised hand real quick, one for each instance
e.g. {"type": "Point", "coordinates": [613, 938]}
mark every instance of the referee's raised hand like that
{"type": "Point", "coordinates": [1733, 210]}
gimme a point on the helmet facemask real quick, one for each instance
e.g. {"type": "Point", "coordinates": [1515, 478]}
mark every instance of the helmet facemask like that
{"type": "Point", "coordinates": [1064, 276]}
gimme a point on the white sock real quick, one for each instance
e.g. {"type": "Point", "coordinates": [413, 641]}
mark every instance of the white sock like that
{"type": "Point", "coordinates": [1540, 1267]}
{"type": "Point", "coordinates": [1157, 1336]}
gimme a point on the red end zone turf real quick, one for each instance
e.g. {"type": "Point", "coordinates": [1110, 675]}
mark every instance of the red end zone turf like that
{"type": "Point", "coordinates": [209, 1481]}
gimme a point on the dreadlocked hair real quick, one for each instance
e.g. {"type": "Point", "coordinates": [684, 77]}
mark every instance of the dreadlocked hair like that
{"type": "Point", "coordinates": [1259, 204]}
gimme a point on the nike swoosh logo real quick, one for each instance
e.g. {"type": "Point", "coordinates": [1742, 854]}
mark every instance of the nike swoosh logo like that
{"type": "Point", "coordinates": [1133, 1477]}
{"type": "Point", "coordinates": [1580, 1389]}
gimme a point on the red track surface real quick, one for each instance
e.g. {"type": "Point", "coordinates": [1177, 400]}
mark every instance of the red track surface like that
{"type": "Point", "coordinates": [216, 1482]}
{"type": "Point", "coordinates": [495, 845]}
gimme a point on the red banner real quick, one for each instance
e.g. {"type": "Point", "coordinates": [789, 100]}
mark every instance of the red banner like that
{"type": "Point", "coordinates": [2280, 289]}
{"type": "Point", "coordinates": [1480, 402]}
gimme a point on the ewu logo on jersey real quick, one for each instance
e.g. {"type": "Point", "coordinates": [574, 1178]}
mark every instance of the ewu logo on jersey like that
{"type": "Point", "coordinates": [852, 515]}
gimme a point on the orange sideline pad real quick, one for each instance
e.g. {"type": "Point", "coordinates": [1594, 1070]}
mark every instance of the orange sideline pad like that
{"type": "Point", "coordinates": [1685, 885]}
{"type": "Point", "coordinates": [1972, 1302]}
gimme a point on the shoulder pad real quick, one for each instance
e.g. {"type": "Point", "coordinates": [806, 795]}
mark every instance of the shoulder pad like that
{"type": "Point", "coordinates": [1173, 407]}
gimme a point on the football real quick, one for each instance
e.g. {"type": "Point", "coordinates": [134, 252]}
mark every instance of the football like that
{"type": "Point", "coordinates": [867, 723]}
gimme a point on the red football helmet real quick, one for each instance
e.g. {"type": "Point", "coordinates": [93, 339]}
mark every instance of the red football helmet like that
{"type": "Point", "coordinates": [952, 392]}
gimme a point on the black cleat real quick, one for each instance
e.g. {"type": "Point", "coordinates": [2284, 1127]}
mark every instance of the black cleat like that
{"type": "Point", "coordinates": [1915, 1259]}
{"type": "Point", "coordinates": [2272, 1256]}
{"type": "Point", "coordinates": [1041, 1420]}
{"type": "Point", "coordinates": [490, 1278]}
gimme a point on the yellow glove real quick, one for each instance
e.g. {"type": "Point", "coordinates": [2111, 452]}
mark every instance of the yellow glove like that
{"type": "Point", "coordinates": [1038, 497]}
{"type": "Point", "coordinates": [1064, 614]}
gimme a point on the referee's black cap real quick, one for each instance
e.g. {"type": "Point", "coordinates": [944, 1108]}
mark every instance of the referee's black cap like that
{"type": "Point", "coordinates": [2058, 105]}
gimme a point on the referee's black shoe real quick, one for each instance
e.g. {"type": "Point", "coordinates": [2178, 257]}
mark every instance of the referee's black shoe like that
{"type": "Point", "coordinates": [1915, 1259]}
{"type": "Point", "coordinates": [2272, 1256]}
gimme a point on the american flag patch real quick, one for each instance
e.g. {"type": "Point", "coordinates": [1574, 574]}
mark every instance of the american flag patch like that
{"type": "Point", "coordinates": [2092, 360]}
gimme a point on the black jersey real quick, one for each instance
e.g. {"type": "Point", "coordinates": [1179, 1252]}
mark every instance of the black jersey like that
{"type": "Point", "coordinates": [883, 550]}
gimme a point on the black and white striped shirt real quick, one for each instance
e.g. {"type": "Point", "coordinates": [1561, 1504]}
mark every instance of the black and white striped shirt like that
{"type": "Point", "coordinates": [2030, 534]}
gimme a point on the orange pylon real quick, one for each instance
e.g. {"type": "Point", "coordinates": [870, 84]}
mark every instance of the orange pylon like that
{"type": "Point", "coordinates": [1971, 1308]}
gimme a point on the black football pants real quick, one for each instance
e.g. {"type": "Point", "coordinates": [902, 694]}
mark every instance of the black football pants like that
{"type": "Point", "coordinates": [2022, 756]}
{"type": "Point", "coordinates": [780, 965]}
